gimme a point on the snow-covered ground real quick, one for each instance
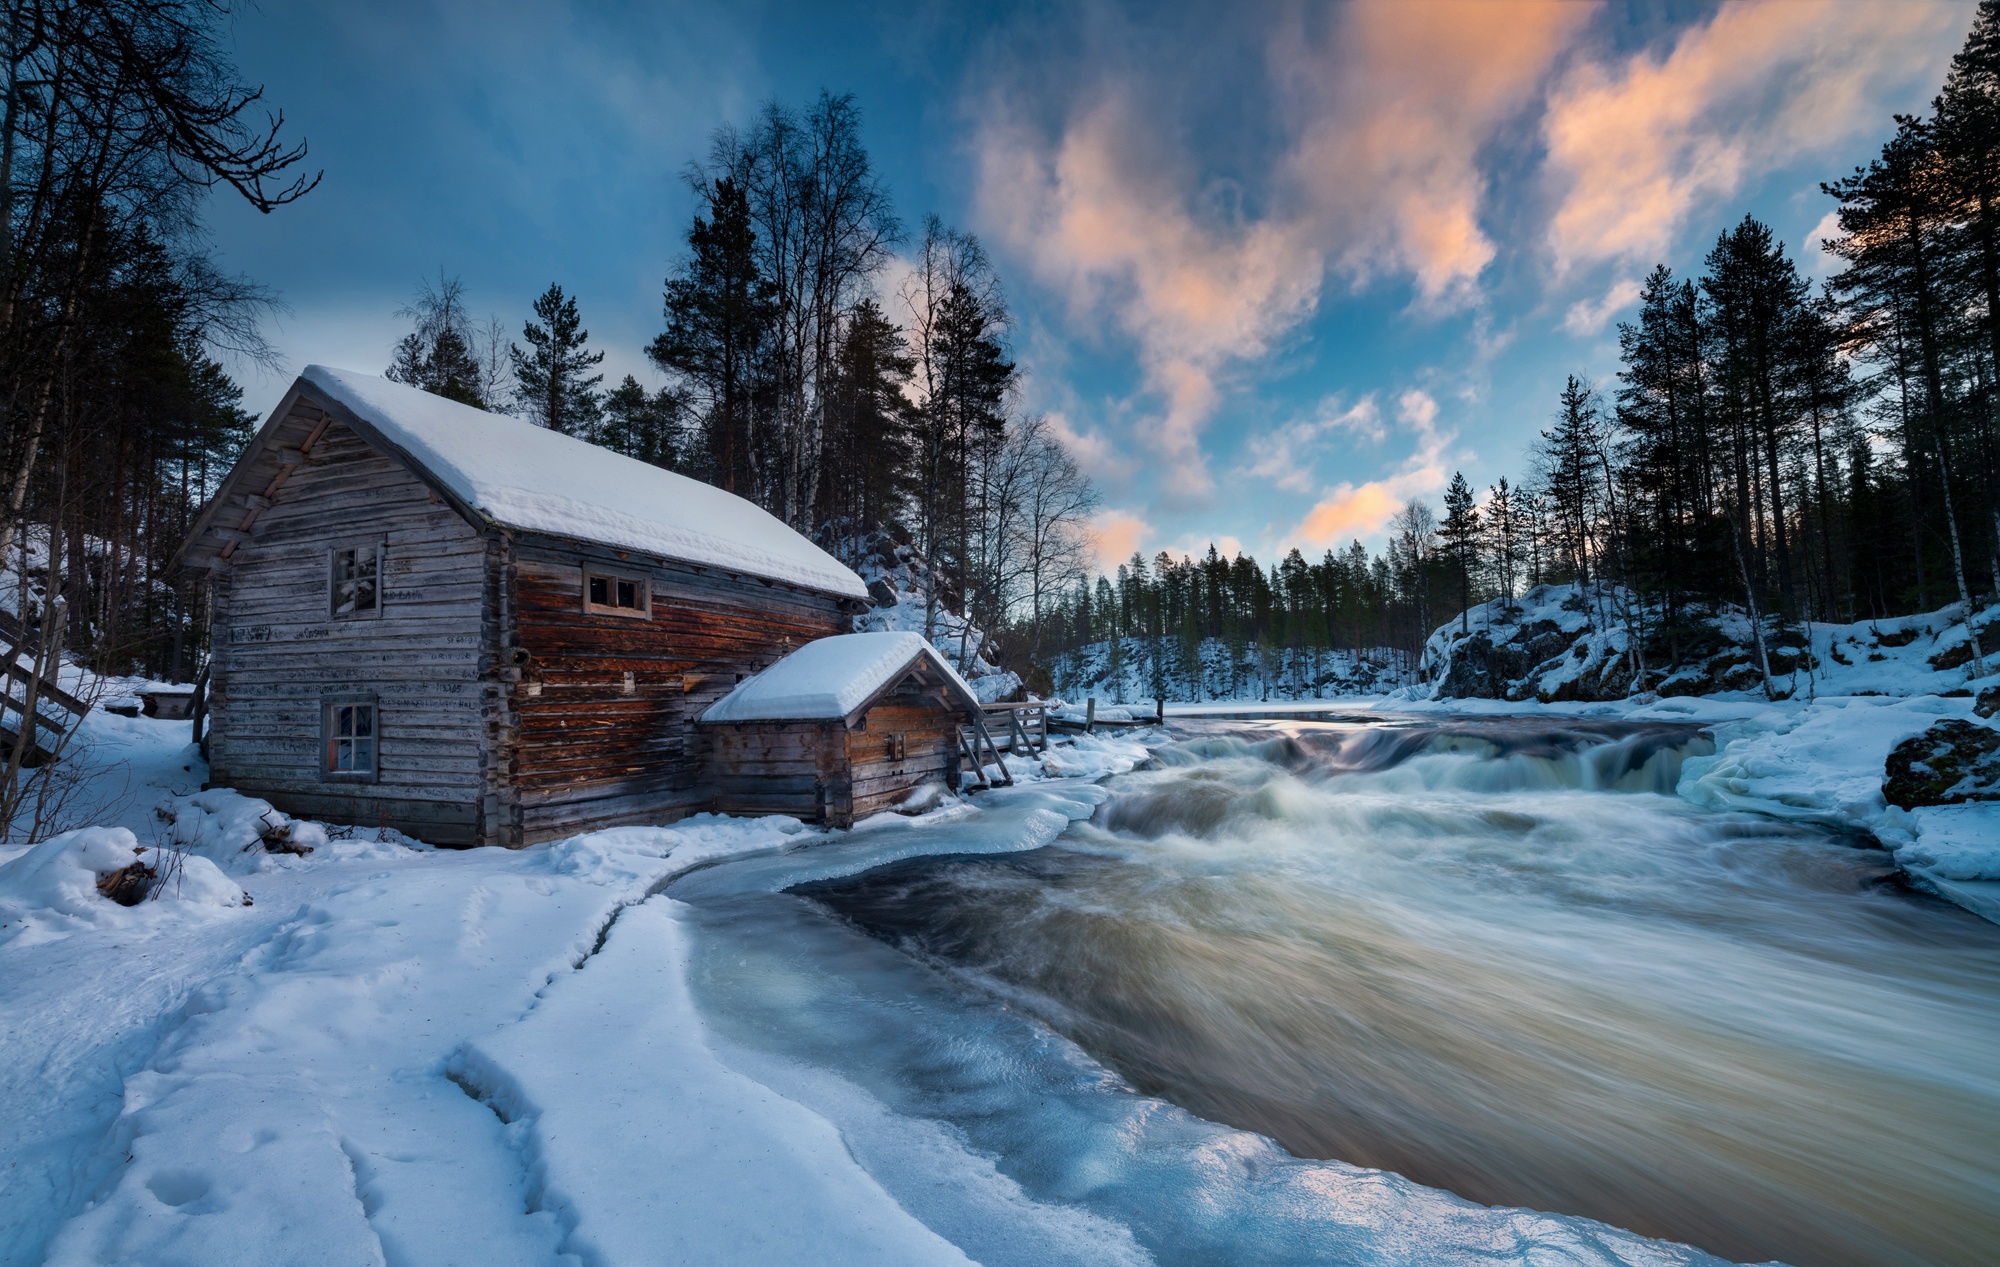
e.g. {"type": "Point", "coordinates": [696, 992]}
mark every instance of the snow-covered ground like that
{"type": "Point", "coordinates": [393, 1054]}
{"type": "Point", "coordinates": [377, 1052]}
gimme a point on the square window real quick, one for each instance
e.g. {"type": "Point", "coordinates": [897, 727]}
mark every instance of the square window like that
{"type": "Point", "coordinates": [616, 595]}
{"type": "Point", "coordinates": [356, 581]}
{"type": "Point", "coordinates": [350, 739]}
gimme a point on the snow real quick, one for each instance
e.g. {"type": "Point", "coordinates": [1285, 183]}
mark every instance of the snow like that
{"type": "Point", "coordinates": [51, 889]}
{"type": "Point", "coordinates": [537, 480]}
{"type": "Point", "coordinates": [398, 1054]}
{"type": "Point", "coordinates": [829, 678]}
{"type": "Point", "coordinates": [636, 1176]}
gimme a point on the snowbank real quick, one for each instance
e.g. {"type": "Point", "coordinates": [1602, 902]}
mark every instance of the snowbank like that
{"type": "Point", "coordinates": [52, 889]}
{"type": "Point", "coordinates": [646, 1148]}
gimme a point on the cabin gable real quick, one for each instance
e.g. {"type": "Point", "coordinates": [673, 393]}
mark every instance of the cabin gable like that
{"type": "Point", "coordinates": [355, 583]}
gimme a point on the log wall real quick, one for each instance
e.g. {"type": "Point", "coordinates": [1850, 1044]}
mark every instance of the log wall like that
{"type": "Point", "coordinates": [279, 653]}
{"type": "Point", "coordinates": [585, 749]}
{"type": "Point", "coordinates": [826, 772]}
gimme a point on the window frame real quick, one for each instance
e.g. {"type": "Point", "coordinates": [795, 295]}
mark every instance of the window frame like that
{"type": "Point", "coordinates": [328, 706]}
{"type": "Point", "coordinates": [644, 611]}
{"type": "Point", "coordinates": [379, 547]}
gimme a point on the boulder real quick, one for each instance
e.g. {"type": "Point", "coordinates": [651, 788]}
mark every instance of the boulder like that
{"type": "Point", "coordinates": [1953, 762]}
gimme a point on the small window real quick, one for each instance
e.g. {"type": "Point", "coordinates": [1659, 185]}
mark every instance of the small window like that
{"type": "Point", "coordinates": [616, 595]}
{"type": "Point", "coordinates": [351, 739]}
{"type": "Point", "coordinates": [357, 581]}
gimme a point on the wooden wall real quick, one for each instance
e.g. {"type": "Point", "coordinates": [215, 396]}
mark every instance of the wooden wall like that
{"type": "Point", "coordinates": [583, 751]}
{"type": "Point", "coordinates": [279, 653]}
{"type": "Point", "coordinates": [824, 770]}
{"type": "Point", "coordinates": [930, 751]}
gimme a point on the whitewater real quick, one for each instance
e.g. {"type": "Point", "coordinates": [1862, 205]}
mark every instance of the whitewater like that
{"type": "Point", "coordinates": [1438, 989]}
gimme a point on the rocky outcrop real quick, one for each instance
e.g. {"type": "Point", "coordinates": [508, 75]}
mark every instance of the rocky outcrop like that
{"type": "Point", "coordinates": [1953, 762]}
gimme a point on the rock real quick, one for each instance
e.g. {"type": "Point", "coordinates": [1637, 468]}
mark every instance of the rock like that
{"type": "Point", "coordinates": [1988, 702]}
{"type": "Point", "coordinates": [881, 591]}
{"type": "Point", "coordinates": [1952, 657]}
{"type": "Point", "coordinates": [1953, 762]}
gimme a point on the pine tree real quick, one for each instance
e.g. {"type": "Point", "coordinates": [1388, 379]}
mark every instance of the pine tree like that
{"type": "Point", "coordinates": [1460, 531]}
{"type": "Point", "coordinates": [554, 385]}
{"type": "Point", "coordinates": [720, 310]}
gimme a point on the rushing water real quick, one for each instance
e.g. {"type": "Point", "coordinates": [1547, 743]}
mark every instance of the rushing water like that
{"type": "Point", "coordinates": [1496, 958]}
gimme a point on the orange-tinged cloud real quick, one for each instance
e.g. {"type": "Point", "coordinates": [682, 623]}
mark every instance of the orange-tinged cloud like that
{"type": "Point", "coordinates": [1387, 118]}
{"type": "Point", "coordinates": [1636, 146]}
{"type": "Point", "coordinates": [1395, 111]}
{"type": "Point", "coordinates": [1110, 232]}
{"type": "Point", "coordinates": [1115, 534]}
{"type": "Point", "coordinates": [1351, 510]}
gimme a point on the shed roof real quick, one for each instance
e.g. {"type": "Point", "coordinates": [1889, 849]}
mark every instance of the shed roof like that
{"type": "Point", "coordinates": [525, 477]}
{"type": "Point", "coordinates": [833, 678]}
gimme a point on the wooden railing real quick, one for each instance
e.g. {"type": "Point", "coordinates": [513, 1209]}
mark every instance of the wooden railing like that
{"type": "Point", "coordinates": [1025, 725]}
{"type": "Point", "coordinates": [1025, 728]}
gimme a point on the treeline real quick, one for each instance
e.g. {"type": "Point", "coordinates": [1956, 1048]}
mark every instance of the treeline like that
{"type": "Point", "coordinates": [118, 117]}
{"type": "Point", "coordinates": [1794, 452]}
{"type": "Point", "coordinates": [798, 378]}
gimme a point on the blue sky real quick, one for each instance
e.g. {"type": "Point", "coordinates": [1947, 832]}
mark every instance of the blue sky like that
{"type": "Point", "coordinates": [1275, 267]}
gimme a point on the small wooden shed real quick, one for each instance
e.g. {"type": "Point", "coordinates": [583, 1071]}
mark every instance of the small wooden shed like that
{"type": "Point", "coordinates": [840, 729]}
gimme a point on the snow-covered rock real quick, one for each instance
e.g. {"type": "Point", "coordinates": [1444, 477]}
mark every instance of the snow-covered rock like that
{"type": "Point", "coordinates": [895, 575]}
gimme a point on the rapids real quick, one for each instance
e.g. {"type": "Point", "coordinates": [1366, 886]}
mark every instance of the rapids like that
{"type": "Point", "coordinates": [1494, 957]}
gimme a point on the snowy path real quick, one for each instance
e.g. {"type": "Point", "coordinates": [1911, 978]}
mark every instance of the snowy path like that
{"type": "Point", "coordinates": [294, 1082]}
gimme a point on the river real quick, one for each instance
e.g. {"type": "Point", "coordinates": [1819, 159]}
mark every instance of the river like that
{"type": "Point", "coordinates": [1202, 1008]}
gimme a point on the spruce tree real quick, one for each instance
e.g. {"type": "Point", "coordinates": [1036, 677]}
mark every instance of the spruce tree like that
{"type": "Point", "coordinates": [1460, 531]}
{"type": "Point", "coordinates": [644, 425]}
{"type": "Point", "coordinates": [437, 356]}
{"type": "Point", "coordinates": [554, 385]}
{"type": "Point", "coordinates": [720, 310]}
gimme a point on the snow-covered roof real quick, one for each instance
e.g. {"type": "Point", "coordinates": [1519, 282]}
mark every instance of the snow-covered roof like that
{"type": "Point", "coordinates": [536, 480]}
{"type": "Point", "coordinates": [831, 677]}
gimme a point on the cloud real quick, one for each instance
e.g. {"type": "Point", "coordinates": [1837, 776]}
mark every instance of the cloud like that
{"type": "Point", "coordinates": [1284, 456]}
{"type": "Point", "coordinates": [1381, 118]}
{"type": "Point", "coordinates": [1395, 111]}
{"type": "Point", "coordinates": [1812, 255]}
{"type": "Point", "coordinates": [1588, 317]}
{"type": "Point", "coordinates": [1351, 510]}
{"type": "Point", "coordinates": [1635, 147]}
{"type": "Point", "coordinates": [1115, 534]}
{"type": "Point", "coordinates": [1111, 231]}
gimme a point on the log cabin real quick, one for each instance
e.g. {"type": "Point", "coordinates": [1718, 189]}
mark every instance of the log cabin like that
{"type": "Point", "coordinates": [476, 631]}
{"type": "Point", "coordinates": [839, 729]}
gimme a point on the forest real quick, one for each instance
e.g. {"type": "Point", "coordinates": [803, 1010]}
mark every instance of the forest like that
{"type": "Point", "coordinates": [1789, 451]}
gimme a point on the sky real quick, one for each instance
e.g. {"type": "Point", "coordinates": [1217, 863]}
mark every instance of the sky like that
{"type": "Point", "coordinates": [1275, 268]}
